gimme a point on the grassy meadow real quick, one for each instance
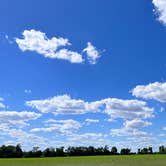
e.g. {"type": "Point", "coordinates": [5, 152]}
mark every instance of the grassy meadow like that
{"type": "Point", "coordinates": [135, 160]}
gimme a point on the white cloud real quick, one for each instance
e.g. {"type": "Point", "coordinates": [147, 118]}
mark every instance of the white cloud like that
{"type": "Point", "coordinates": [92, 53]}
{"type": "Point", "coordinates": [27, 140]}
{"type": "Point", "coordinates": [156, 91]}
{"type": "Point", "coordinates": [132, 128]}
{"type": "Point", "coordinates": [87, 139]}
{"type": "Point", "coordinates": [12, 124]}
{"type": "Point", "coordinates": [91, 121]}
{"type": "Point", "coordinates": [16, 119]}
{"type": "Point", "coordinates": [72, 56]}
{"type": "Point", "coordinates": [64, 105]}
{"type": "Point", "coordinates": [131, 111]}
{"type": "Point", "coordinates": [128, 132]}
{"type": "Point", "coordinates": [54, 47]}
{"type": "Point", "coordinates": [116, 108]}
{"type": "Point", "coordinates": [160, 9]}
{"type": "Point", "coordinates": [136, 123]}
{"type": "Point", "coordinates": [127, 109]}
{"type": "Point", "coordinates": [59, 126]}
{"type": "Point", "coordinates": [38, 41]}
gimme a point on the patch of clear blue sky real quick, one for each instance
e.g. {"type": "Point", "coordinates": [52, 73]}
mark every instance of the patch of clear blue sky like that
{"type": "Point", "coordinates": [133, 40]}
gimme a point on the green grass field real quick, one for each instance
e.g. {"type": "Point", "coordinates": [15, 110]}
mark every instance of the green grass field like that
{"type": "Point", "coordinates": [136, 160]}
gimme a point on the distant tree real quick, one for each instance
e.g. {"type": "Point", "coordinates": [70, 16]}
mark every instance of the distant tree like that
{"type": "Point", "coordinates": [139, 151]}
{"type": "Point", "coordinates": [125, 151]}
{"type": "Point", "coordinates": [99, 151]}
{"type": "Point", "coordinates": [60, 151]}
{"type": "Point", "coordinates": [144, 151]}
{"type": "Point", "coordinates": [106, 150]}
{"type": "Point", "coordinates": [18, 151]}
{"type": "Point", "coordinates": [49, 152]}
{"type": "Point", "coordinates": [150, 150]}
{"type": "Point", "coordinates": [7, 151]}
{"type": "Point", "coordinates": [114, 150]}
{"type": "Point", "coordinates": [91, 150]}
{"type": "Point", "coordinates": [162, 150]}
{"type": "Point", "coordinates": [35, 152]}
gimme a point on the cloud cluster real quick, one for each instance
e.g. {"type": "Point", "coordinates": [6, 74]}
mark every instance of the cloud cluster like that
{"type": "Point", "coordinates": [116, 108]}
{"type": "Point", "coordinates": [156, 91]}
{"type": "Point", "coordinates": [16, 119]}
{"type": "Point", "coordinates": [160, 9]}
{"type": "Point", "coordinates": [136, 123]}
{"type": "Point", "coordinates": [87, 139]}
{"type": "Point", "coordinates": [13, 123]}
{"type": "Point", "coordinates": [127, 109]}
{"type": "Point", "coordinates": [132, 112]}
{"type": "Point", "coordinates": [59, 126]}
{"type": "Point", "coordinates": [132, 128]}
{"type": "Point", "coordinates": [53, 48]}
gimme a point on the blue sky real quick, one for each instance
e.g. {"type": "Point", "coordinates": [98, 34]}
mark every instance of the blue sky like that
{"type": "Point", "coordinates": [73, 71]}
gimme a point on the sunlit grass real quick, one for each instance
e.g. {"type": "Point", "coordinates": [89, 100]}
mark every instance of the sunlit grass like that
{"type": "Point", "coordinates": [135, 160]}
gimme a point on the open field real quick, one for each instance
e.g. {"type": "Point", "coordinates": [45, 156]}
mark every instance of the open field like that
{"type": "Point", "coordinates": [135, 160]}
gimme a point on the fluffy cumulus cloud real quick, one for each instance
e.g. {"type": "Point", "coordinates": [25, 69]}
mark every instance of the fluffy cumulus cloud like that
{"type": "Point", "coordinates": [60, 126]}
{"type": "Point", "coordinates": [156, 91]}
{"type": "Point", "coordinates": [26, 139]}
{"type": "Point", "coordinates": [136, 123]}
{"type": "Point", "coordinates": [64, 105]}
{"type": "Point", "coordinates": [127, 109]}
{"type": "Point", "coordinates": [92, 53]}
{"type": "Point", "coordinates": [134, 114]}
{"type": "Point", "coordinates": [38, 41]}
{"type": "Point", "coordinates": [17, 125]}
{"type": "Point", "coordinates": [160, 10]}
{"type": "Point", "coordinates": [132, 128]}
{"type": "Point", "coordinates": [12, 125]}
{"type": "Point", "coordinates": [16, 119]}
{"type": "Point", "coordinates": [115, 108]}
{"type": "Point", "coordinates": [53, 48]}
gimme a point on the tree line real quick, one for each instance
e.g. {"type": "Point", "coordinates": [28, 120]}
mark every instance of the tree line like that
{"type": "Point", "coordinates": [11, 151]}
